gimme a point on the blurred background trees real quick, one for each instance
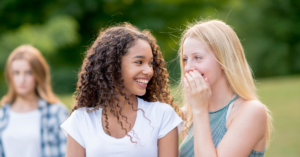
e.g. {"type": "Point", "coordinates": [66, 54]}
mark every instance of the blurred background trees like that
{"type": "Point", "coordinates": [63, 29]}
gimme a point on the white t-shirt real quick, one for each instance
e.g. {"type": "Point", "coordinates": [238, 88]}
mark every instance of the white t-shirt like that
{"type": "Point", "coordinates": [22, 136]}
{"type": "Point", "coordinates": [86, 129]}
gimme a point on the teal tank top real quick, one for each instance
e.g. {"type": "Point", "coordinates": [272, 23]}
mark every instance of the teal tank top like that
{"type": "Point", "coordinates": [217, 120]}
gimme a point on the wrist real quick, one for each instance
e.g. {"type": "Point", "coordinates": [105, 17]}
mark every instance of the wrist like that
{"type": "Point", "coordinates": [201, 111]}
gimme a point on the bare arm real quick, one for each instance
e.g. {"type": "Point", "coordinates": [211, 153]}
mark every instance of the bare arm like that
{"type": "Point", "coordinates": [74, 149]}
{"type": "Point", "coordinates": [168, 145]}
{"type": "Point", "coordinates": [245, 131]}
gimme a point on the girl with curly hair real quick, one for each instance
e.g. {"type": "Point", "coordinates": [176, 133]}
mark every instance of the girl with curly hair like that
{"type": "Point", "coordinates": [224, 115]}
{"type": "Point", "coordinates": [123, 104]}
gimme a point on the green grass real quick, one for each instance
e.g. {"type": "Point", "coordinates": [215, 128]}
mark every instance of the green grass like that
{"type": "Point", "coordinates": [282, 96]}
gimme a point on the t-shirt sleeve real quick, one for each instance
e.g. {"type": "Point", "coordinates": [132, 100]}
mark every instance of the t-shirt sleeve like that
{"type": "Point", "coordinates": [71, 126]}
{"type": "Point", "coordinates": [168, 121]}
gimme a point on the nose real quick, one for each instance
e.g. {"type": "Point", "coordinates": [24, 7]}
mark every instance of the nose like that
{"type": "Point", "coordinates": [148, 70]}
{"type": "Point", "coordinates": [189, 66]}
{"type": "Point", "coordinates": [22, 78]}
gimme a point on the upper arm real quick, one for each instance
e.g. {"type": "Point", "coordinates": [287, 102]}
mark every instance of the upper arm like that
{"type": "Point", "coordinates": [74, 149]}
{"type": "Point", "coordinates": [168, 145]}
{"type": "Point", "coordinates": [72, 127]}
{"type": "Point", "coordinates": [245, 131]}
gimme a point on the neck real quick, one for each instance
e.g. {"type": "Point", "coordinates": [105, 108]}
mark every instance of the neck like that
{"type": "Point", "coordinates": [221, 94]}
{"type": "Point", "coordinates": [127, 108]}
{"type": "Point", "coordinates": [24, 103]}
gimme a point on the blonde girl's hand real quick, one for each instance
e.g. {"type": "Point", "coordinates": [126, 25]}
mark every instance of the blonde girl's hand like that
{"type": "Point", "coordinates": [198, 91]}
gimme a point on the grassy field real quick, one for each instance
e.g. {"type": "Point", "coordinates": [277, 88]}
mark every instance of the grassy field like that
{"type": "Point", "coordinates": [282, 96]}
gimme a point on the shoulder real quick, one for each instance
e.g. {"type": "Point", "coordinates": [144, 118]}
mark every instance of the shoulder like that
{"type": "Point", "coordinates": [58, 107]}
{"type": "Point", "coordinates": [3, 110]}
{"type": "Point", "coordinates": [3, 116]}
{"type": "Point", "coordinates": [80, 111]}
{"type": "Point", "coordinates": [84, 112]}
{"type": "Point", "coordinates": [58, 110]}
{"type": "Point", "coordinates": [156, 109]}
{"type": "Point", "coordinates": [252, 111]}
{"type": "Point", "coordinates": [157, 106]}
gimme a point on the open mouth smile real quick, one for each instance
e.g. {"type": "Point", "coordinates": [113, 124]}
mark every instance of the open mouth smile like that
{"type": "Point", "coordinates": [142, 82]}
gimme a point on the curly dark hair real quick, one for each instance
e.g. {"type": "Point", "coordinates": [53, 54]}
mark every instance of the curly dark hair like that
{"type": "Point", "coordinates": [100, 80]}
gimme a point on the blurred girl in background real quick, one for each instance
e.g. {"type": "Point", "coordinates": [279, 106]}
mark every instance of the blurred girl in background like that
{"type": "Point", "coordinates": [31, 114]}
{"type": "Point", "coordinates": [123, 104]}
{"type": "Point", "coordinates": [224, 114]}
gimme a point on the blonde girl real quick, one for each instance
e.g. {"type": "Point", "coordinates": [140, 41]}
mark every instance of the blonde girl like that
{"type": "Point", "coordinates": [224, 115]}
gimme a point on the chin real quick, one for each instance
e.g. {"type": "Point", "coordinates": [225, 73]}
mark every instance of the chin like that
{"type": "Point", "coordinates": [23, 92]}
{"type": "Point", "coordinates": [140, 93]}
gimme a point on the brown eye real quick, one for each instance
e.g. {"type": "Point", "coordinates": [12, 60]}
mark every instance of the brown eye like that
{"type": "Point", "coordinates": [138, 62]}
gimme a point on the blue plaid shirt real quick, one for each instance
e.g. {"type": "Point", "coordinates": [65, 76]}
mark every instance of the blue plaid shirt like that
{"type": "Point", "coordinates": [53, 141]}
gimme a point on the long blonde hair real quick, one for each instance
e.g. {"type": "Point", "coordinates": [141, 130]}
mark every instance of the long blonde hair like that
{"type": "Point", "coordinates": [39, 69]}
{"type": "Point", "coordinates": [230, 54]}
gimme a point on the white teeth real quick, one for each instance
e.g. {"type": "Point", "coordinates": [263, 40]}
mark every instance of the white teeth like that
{"type": "Point", "coordinates": [142, 81]}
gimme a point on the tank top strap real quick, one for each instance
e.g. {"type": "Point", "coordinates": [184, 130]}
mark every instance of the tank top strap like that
{"type": "Point", "coordinates": [230, 105]}
{"type": "Point", "coordinates": [224, 117]}
{"type": "Point", "coordinates": [233, 99]}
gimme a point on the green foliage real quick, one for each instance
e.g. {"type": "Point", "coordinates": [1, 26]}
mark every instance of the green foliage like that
{"type": "Point", "coordinates": [48, 38]}
{"type": "Point", "coordinates": [56, 33]}
{"type": "Point", "coordinates": [63, 30]}
{"type": "Point", "coordinates": [269, 33]}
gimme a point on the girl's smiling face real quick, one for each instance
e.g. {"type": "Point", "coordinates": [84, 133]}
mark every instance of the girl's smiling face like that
{"type": "Point", "coordinates": [137, 68]}
{"type": "Point", "coordinates": [197, 56]}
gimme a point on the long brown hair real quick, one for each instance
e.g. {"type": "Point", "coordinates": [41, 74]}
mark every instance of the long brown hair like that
{"type": "Point", "coordinates": [39, 69]}
{"type": "Point", "coordinates": [100, 80]}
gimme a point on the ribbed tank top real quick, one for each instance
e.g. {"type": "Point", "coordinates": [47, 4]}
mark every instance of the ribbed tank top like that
{"type": "Point", "coordinates": [217, 121]}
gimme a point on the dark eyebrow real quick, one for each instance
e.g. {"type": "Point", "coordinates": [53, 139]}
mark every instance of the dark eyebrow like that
{"type": "Point", "coordinates": [140, 57]}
